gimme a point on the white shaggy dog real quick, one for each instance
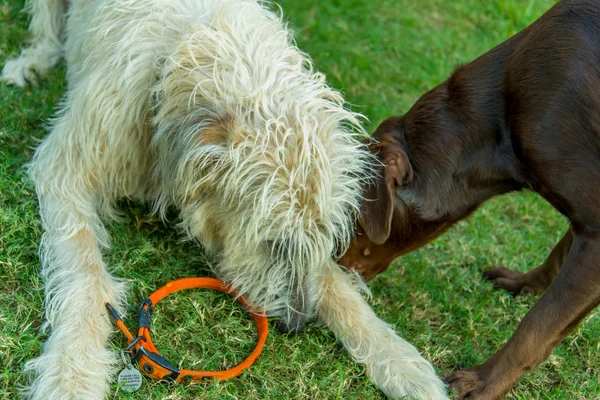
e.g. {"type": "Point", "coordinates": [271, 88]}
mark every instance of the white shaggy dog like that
{"type": "Point", "coordinates": [206, 106]}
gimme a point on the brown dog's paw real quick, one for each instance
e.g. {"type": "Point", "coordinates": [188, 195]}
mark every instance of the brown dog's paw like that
{"type": "Point", "coordinates": [514, 282]}
{"type": "Point", "coordinates": [470, 385]}
{"type": "Point", "coordinates": [465, 382]}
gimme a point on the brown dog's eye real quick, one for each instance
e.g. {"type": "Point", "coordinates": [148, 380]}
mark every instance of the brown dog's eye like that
{"type": "Point", "coordinates": [366, 252]}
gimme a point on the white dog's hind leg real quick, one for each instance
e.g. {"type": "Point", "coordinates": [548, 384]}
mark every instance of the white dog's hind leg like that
{"type": "Point", "coordinates": [46, 27]}
{"type": "Point", "coordinates": [395, 366]}
{"type": "Point", "coordinates": [75, 363]}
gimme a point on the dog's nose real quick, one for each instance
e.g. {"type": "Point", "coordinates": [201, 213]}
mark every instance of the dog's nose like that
{"type": "Point", "coordinates": [293, 326]}
{"type": "Point", "coordinates": [357, 267]}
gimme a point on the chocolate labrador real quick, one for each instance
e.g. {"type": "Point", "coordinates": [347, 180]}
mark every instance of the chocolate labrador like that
{"type": "Point", "coordinates": [525, 115]}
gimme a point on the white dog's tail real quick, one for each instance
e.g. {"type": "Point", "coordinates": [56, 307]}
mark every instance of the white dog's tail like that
{"type": "Point", "coordinates": [395, 366]}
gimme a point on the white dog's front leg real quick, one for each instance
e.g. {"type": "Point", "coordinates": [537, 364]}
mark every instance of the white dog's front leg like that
{"type": "Point", "coordinates": [395, 366]}
{"type": "Point", "coordinates": [76, 363]}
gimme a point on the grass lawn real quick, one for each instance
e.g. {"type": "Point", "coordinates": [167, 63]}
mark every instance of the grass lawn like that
{"type": "Point", "coordinates": [383, 55]}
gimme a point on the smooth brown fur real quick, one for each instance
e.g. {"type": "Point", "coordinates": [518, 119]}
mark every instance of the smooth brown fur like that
{"type": "Point", "coordinates": [525, 115]}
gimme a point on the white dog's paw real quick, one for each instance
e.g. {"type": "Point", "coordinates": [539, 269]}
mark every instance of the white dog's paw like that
{"type": "Point", "coordinates": [19, 71]}
{"type": "Point", "coordinates": [401, 372]}
{"type": "Point", "coordinates": [70, 375]}
{"type": "Point", "coordinates": [39, 58]}
{"type": "Point", "coordinates": [413, 379]}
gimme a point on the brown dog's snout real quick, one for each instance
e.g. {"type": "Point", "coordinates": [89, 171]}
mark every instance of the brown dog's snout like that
{"type": "Point", "coordinates": [366, 258]}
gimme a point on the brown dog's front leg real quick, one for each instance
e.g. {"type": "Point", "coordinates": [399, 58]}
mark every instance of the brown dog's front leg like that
{"type": "Point", "coordinates": [537, 280]}
{"type": "Point", "coordinates": [572, 295]}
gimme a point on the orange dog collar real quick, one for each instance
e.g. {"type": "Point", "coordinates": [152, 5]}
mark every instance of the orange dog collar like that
{"type": "Point", "coordinates": [147, 356]}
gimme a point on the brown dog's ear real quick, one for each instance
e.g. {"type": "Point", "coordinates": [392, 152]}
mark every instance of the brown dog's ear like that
{"type": "Point", "coordinates": [377, 208]}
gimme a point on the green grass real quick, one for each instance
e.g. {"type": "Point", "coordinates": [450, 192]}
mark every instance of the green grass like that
{"type": "Point", "coordinates": [383, 55]}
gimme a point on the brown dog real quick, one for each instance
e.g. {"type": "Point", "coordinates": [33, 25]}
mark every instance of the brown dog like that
{"type": "Point", "coordinates": [524, 115]}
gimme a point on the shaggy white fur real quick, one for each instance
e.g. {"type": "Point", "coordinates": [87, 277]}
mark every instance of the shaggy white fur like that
{"type": "Point", "coordinates": [206, 106]}
{"type": "Point", "coordinates": [394, 364]}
